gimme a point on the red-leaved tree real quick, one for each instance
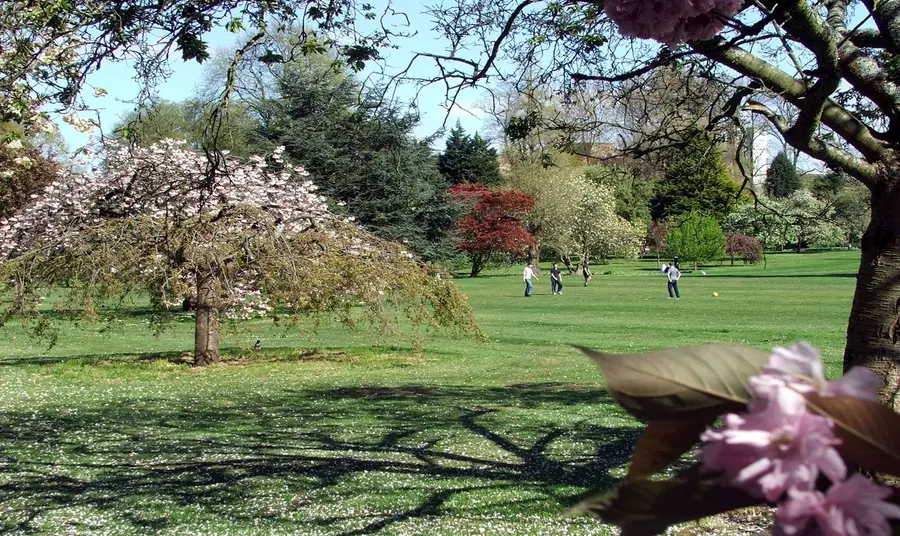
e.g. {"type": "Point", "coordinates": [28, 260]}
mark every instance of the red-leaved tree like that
{"type": "Point", "coordinates": [746, 248]}
{"type": "Point", "coordinates": [492, 224]}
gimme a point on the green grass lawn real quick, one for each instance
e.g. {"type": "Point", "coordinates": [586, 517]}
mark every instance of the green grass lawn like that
{"type": "Point", "coordinates": [109, 433]}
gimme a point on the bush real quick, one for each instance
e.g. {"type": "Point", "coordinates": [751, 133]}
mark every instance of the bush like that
{"type": "Point", "coordinates": [744, 247]}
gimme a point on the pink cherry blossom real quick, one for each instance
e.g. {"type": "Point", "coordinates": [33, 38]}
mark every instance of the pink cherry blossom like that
{"type": "Point", "coordinates": [800, 367]}
{"type": "Point", "coordinates": [671, 21]}
{"type": "Point", "coordinates": [858, 382]}
{"type": "Point", "coordinates": [854, 507]}
{"type": "Point", "coordinates": [775, 447]}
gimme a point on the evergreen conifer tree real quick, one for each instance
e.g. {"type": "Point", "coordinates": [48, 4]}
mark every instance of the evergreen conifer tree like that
{"type": "Point", "coordinates": [781, 178]}
{"type": "Point", "coordinates": [696, 180]}
{"type": "Point", "coordinates": [469, 159]}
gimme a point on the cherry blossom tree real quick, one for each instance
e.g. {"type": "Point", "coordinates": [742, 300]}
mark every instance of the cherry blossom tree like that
{"type": "Point", "coordinates": [243, 238]}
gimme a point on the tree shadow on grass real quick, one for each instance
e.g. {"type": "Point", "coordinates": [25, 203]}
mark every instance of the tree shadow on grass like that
{"type": "Point", "coordinates": [306, 460]}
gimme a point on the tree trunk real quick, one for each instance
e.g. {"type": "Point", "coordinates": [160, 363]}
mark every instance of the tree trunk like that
{"type": "Point", "coordinates": [206, 326]}
{"type": "Point", "coordinates": [873, 331]}
{"type": "Point", "coordinates": [534, 257]}
{"type": "Point", "coordinates": [477, 265]}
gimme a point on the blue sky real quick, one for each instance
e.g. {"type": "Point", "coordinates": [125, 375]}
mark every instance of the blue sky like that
{"type": "Point", "coordinates": [118, 80]}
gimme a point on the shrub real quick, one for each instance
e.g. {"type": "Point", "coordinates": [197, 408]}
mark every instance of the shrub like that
{"type": "Point", "coordinates": [696, 238]}
{"type": "Point", "coordinates": [744, 247]}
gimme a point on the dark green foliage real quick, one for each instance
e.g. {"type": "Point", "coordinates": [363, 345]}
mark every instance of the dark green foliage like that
{"type": "Point", "coordinates": [469, 159]}
{"type": "Point", "coordinates": [696, 238]}
{"type": "Point", "coordinates": [187, 120]}
{"type": "Point", "coordinates": [632, 190]}
{"type": "Point", "coordinates": [363, 156]}
{"type": "Point", "coordinates": [829, 185]}
{"type": "Point", "coordinates": [696, 180]}
{"type": "Point", "coordinates": [781, 178]}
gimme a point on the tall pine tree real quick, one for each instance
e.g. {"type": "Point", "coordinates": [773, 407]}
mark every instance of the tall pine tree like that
{"type": "Point", "coordinates": [696, 180]}
{"type": "Point", "coordinates": [781, 178]}
{"type": "Point", "coordinates": [365, 157]}
{"type": "Point", "coordinates": [469, 159]}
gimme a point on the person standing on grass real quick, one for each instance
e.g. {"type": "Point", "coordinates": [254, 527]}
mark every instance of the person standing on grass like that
{"type": "Point", "coordinates": [556, 279]}
{"type": "Point", "coordinates": [586, 271]}
{"type": "Point", "coordinates": [673, 274]}
{"type": "Point", "coordinates": [527, 276]}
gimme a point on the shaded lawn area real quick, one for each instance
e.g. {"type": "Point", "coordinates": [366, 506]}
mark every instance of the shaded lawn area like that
{"type": "Point", "coordinates": [108, 433]}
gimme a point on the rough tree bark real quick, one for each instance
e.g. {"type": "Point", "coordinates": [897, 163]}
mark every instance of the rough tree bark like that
{"type": "Point", "coordinates": [873, 332]}
{"type": "Point", "coordinates": [206, 326]}
{"type": "Point", "coordinates": [534, 257]}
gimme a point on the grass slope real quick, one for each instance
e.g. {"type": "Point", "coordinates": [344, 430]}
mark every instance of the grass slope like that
{"type": "Point", "coordinates": [356, 438]}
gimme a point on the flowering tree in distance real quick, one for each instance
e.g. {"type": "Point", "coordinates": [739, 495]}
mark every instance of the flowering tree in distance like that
{"type": "Point", "coordinates": [493, 223]}
{"type": "Point", "coordinates": [243, 238]}
{"type": "Point", "coordinates": [594, 228]}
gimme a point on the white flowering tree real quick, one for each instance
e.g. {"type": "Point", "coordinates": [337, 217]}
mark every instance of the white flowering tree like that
{"type": "Point", "coordinates": [593, 228]}
{"type": "Point", "coordinates": [240, 239]}
{"type": "Point", "coordinates": [797, 219]}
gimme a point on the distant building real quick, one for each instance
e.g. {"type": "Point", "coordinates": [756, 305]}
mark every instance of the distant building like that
{"type": "Point", "coordinates": [760, 159]}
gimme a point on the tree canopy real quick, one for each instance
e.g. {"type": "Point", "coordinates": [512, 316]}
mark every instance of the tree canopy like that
{"type": "Point", "coordinates": [469, 159]}
{"type": "Point", "coordinates": [247, 238]}
{"type": "Point", "coordinates": [696, 238]}
{"type": "Point", "coordinates": [491, 225]}
{"type": "Point", "coordinates": [695, 180]}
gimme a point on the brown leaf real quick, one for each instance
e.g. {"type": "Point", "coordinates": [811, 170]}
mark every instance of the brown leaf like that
{"type": "Point", "coordinates": [663, 442]}
{"type": "Point", "coordinates": [692, 383]}
{"type": "Point", "coordinates": [869, 431]}
{"type": "Point", "coordinates": [648, 507]}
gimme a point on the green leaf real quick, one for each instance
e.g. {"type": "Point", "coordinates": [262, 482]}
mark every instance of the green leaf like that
{"type": "Point", "coordinates": [235, 25]}
{"type": "Point", "coordinates": [868, 431]}
{"type": "Point", "coordinates": [647, 507]}
{"type": "Point", "coordinates": [692, 383]}
{"type": "Point", "coordinates": [662, 443]}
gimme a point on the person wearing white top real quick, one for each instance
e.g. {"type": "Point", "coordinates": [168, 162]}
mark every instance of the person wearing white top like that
{"type": "Point", "coordinates": [673, 274]}
{"type": "Point", "coordinates": [527, 276]}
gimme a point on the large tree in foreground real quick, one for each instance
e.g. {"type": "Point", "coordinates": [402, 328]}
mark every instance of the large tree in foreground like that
{"type": "Point", "coordinates": [246, 238]}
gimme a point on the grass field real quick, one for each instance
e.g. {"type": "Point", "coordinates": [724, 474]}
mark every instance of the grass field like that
{"type": "Point", "coordinates": [110, 433]}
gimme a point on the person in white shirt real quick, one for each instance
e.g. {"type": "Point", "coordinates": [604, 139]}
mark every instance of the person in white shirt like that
{"type": "Point", "coordinates": [673, 274]}
{"type": "Point", "coordinates": [527, 276]}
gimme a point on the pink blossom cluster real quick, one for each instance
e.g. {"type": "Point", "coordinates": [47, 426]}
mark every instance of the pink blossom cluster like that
{"type": "Point", "coordinates": [671, 21]}
{"type": "Point", "coordinates": [779, 449]}
{"type": "Point", "coordinates": [169, 186]}
{"type": "Point", "coordinates": [167, 182]}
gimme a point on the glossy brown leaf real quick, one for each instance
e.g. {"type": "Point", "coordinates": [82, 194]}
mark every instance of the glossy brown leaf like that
{"type": "Point", "coordinates": [663, 442]}
{"type": "Point", "coordinates": [648, 507]}
{"type": "Point", "coordinates": [692, 383]}
{"type": "Point", "coordinates": [869, 431]}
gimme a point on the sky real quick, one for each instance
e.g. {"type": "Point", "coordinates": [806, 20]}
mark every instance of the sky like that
{"type": "Point", "coordinates": [118, 80]}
